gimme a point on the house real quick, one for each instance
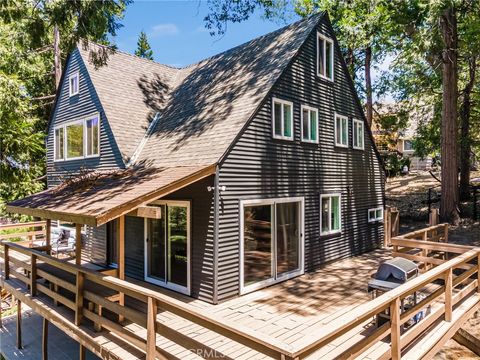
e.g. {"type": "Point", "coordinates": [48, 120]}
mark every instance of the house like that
{"type": "Point", "coordinates": [400, 139]}
{"type": "Point", "coordinates": [220, 178]}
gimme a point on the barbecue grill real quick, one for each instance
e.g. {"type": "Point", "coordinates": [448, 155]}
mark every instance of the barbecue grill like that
{"type": "Point", "coordinates": [391, 274]}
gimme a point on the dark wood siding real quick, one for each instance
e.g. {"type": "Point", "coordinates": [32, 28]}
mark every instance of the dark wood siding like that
{"type": "Point", "coordinates": [78, 107]}
{"type": "Point", "coordinates": [259, 167]}
{"type": "Point", "coordinates": [201, 239]}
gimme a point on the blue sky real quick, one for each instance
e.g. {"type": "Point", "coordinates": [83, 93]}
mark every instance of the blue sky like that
{"type": "Point", "coordinates": [176, 31]}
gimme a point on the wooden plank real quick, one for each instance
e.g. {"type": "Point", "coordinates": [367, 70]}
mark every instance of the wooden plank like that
{"type": "Point", "coordinates": [25, 234]}
{"type": "Point", "coordinates": [20, 277]}
{"type": "Point", "coordinates": [56, 280]}
{"type": "Point", "coordinates": [150, 212]}
{"type": "Point", "coordinates": [21, 225]}
{"type": "Point", "coordinates": [56, 296]}
{"type": "Point", "coordinates": [151, 328]}
{"type": "Point", "coordinates": [448, 295]}
{"type": "Point", "coordinates": [19, 263]}
{"type": "Point", "coordinates": [19, 324]}
{"type": "Point", "coordinates": [396, 348]}
{"type": "Point", "coordinates": [121, 259]}
{"type": "Point", "coordinates": [52, 214]}
{"type": "Point", "coordinates": [468, 340]}
{"type": "Point", "coordinates": [429, 245]}
{"type": "Point", "coordinates": [6, 259]}
{"type": "Point", "coordinates": [81, 355]}
{"type": "Point", "coordinates": [79, 298]}
{"type": "Point", "coordinates": [78, 244]}
{"type": "Point", "coordinates": [33, 275]}
{"type": "Point", "coordinates": [464, 292]}
{"type": "Point", "coordinates": [45, 339]}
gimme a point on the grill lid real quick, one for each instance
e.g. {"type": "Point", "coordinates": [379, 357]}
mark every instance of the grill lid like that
{"type": "Point", "coordinates": [397, 270]}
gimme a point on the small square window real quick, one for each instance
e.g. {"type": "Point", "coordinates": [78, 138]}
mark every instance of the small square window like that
{"type": "Point", "coordinates": [73, 84]}
{"type": "Point", "coordinates": [309, 123]}
{"type": "Point", "coordinates": [407, 145]}
{"type": "Point", "coordinates": [341, 130]}
{"type": "Point", "coordinates": [282, 119]}
{"type": "Point", "coordinates": [330, 214]}
{"type": "Point", "coordinates": [325, 57]}
{"type": "Point", "coordinates": [358, 135]}
{"type": "Point", "coordinates": [375, 214]}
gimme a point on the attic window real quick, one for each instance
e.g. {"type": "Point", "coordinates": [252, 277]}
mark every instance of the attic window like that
{"type": "Point", "coordinates": [282, 119]}
{"type": "Point", "coordinates": [73, 84]}
{"type": "Point", "coordinates": [325, 58]}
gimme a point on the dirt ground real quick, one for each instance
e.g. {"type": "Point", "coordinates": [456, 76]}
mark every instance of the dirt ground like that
{"type": "Point", "coordinates": [409, 194]}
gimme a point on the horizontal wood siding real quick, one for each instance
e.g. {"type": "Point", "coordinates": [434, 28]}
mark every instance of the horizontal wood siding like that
{"type": "Point", "coordinates": [201, 239]}
{"type": "Point", "coordinates": [259, 167]}
{"type": "Point", "coordinates": [78, 107]}
{"type": "Point", "coordinates": [95, 248]}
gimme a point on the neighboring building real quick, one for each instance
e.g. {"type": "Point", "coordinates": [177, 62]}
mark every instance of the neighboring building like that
{"type": "Point", "coordinates": [243, 170]}
{"type": "Point", "coordinates": [401, 140]}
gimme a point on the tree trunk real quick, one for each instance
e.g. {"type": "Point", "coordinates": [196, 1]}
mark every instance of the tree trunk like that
{"type": "Point", "coordinates": [368, 84]}
{"type": "Point", "coordinates": [351, 63]}
{"type": "Point", "coordinates": [449, 198]}
{"type": "Point", "coordinates": [57, 59]}
{"type": "Point", "coordinates": [465, 144]}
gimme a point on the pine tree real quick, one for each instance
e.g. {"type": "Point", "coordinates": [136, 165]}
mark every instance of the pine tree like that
{"type": "Point", "coordinates": [143, 47]}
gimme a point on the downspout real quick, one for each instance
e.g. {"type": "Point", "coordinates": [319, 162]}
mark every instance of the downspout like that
{"type": "Point", "coordinates": [216, 217]}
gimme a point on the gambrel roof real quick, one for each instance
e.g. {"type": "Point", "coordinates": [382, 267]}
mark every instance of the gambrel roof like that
{"type": "Point", "coordinates": [201, 108]}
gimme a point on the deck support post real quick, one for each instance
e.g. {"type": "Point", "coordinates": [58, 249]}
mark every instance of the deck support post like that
{"type": "Point", "coordinates": [395, 329]}
{"type": "Point", "coordinates": [79, 298]}
{"type": "Point", "coordinates": [81, 354]}
{"type": "Point", "coordinates": [48, 236]}
{"type": "Point", "coordinates": [478, 273]}
{"type": "Point", "coordinates": [121, 260]}
{"type": "Point", "coordinates": [33, 275]}
{"type": "Point", "coordinates": [45, 339]}
{"type": "Point", "coordinates": [78, 244]}
{"type": "Point", "coordinates": [151, 328]}
{"type": "Point", "coordinates": [448, 295]}
{"type": "Point", "coordinates": [19, 324]}
{"type": "Point", "coordinates": [6, 262]}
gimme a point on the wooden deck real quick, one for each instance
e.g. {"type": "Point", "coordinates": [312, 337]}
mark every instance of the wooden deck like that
{"type": "Point", "coordinates": [326, 314]}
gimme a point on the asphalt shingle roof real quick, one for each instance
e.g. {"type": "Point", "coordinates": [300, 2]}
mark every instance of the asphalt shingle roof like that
{"type": "Point", "coordinates": [202, 107]}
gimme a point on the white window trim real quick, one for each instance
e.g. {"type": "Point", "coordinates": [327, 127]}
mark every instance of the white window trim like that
{"type": "Point", "coordinates": [355, 122]}
{"type": "Point", "coordinates": [330, 232]}
{"type": "Point", "coordinates": [83, 121]}
{"type": "Point", "coordinates": [326, 39]}
{"type": "Point", "coordinates": [375, 219]}
{"type": "Point", "coordinates": [309, 108]}
{"type": "Point", "coordinates": [282, 102]}
{"type": "Point", "coordinates": [77, 75]}
{"type": "Point", "coordinates": [335, 130]}
{"type": "Point", "coordinates": [55, 143]}
{"type": "Point", "coordinates": [403, 146]}
{"type": "Point", "coordinates": [261, 284]}
{"type": "Point", "coordinates": [85, 136]}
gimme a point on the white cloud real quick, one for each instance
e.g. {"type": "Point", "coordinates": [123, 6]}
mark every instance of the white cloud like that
{"type": "Point", "coordinates": [164, 30]}
{"type": "Point", "coordinates": [201, 29]}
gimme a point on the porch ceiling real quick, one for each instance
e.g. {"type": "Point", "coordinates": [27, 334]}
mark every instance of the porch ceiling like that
{"type": "Point", "coordinates": [97, 198]}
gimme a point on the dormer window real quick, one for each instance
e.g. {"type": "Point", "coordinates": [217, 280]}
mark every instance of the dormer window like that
{"type": "Point", "coordinates": [325, 57]}
{"type": "Point", "coordinates": [73, 84]}
{"type": "Point", "coordinates": [282, 119]}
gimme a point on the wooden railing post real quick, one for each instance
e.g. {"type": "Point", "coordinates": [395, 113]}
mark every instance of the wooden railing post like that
{"type": "Point", "coordinates": [78, 244]}
{"type": "Point", "coordinates": [448, 295]}
{"type": "Point", "coordinates": [33, 275]}
{"type": "Point", "coordinates": [6, 258]}
{"type": "Point", "coordinates": [395, 329]}
{"type": "Point", "coordinates": [48, 236]}
{"type": "Point", "coordinates": [478, 273]}
{"type": "Point", "coordinates": [79, 297]}
{"type": "Point", "coordinates": [151, 328]}
{"type": "Point", "coordinates": [446, 232]}
{"type": "Point", "coordinates": [386, 227]}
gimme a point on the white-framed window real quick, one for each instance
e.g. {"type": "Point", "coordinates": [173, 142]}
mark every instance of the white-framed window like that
{"type": "Point", "coordinates": [282, 119]}
{"type": "Point", "coordinates": [358, 135]}
{"type": "Point", "coordinates": [330, 214]}
{"type": "Point", "coordinates": [92, 136]}
{"type": "Point", "coordinates": [59, 143]}
{"type": "Point", "coordinates": [341, 130]}
{"type": "Point", "coordinates": [375, 214]}
{"type": "Point", "coordinates": [74, 140]}
{"type": "Point", "coordinates": [309, 124]}
{"type": "Point", "coordinates": [77, 139]}
{"type": "Point", "coordinates": [407, 145]}
{"type": "Point", "coordinates": [325, 57]}
{"type": "Point", "coordinates": [73, 84]}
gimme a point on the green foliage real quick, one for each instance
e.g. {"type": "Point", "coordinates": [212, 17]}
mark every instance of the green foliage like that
{"type": "Point", "coordinates": [143, 47]}
{"type": "Point", "coordinates": [394, 163]}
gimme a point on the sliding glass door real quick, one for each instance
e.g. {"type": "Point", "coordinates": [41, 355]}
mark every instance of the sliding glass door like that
{"type": "Point", "coordinates": [167, 246]}
{"type": "Point", "coordinates": [272, 244]}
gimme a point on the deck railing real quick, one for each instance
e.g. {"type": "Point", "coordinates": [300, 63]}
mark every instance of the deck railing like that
{"type": "Point", "coordinates": [27, 231]}
{"type": "Point", "coordinates": [460, 281]}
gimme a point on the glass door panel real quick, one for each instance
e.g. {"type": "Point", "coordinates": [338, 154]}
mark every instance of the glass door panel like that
{"type": "Point", "coordinates": [257, 245]}
{"type": "Point", "coordinates": [177, 245]}
{"type": "Point", "coordinates": [287, 237]}
{"type": "Point", "coordinates": [156, 247]}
